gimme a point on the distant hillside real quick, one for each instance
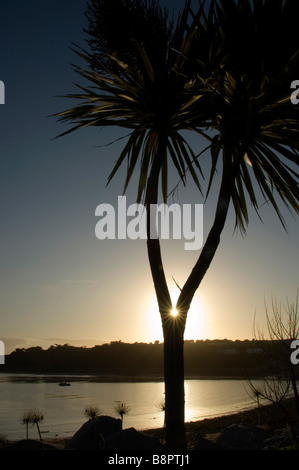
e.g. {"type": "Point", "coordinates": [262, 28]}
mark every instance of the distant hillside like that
{"type": "Point", "coordinates": [209, 358]}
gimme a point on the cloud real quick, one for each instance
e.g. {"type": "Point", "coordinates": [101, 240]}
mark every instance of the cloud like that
{"type": "Point", "coordinates": [12, 343]}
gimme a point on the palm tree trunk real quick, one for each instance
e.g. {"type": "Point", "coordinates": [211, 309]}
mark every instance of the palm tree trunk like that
{"type": "Point", "coordinates": [172, 331]}
{"type": "Point", "coordinates": [174, 327]}
{"type": "Point", "coordinates": [39, 433]}
{"type": "Point", "coordinates": [174, 386]}
{"type": "Point", "coordinates": [210, 247]}
{"type": "Point", "coordinates": [173, 353]}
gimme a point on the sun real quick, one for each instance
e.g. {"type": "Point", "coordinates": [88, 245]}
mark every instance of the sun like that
{"type": "Point", "coordinates": [196, 326]}
{"type": "Point", "coordinates": [174, 312]}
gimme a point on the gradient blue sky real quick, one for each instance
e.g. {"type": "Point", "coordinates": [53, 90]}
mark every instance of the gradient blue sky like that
{"type": "Point", "coordinates": [59, 283]}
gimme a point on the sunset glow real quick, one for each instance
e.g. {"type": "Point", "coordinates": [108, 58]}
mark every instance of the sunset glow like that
{"type": "Point", "coordinates": [60, 283]}
{"type": "Point", "coordinates": [197, 319]}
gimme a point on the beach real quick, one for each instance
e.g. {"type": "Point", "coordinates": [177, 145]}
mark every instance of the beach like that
{"type": "Point", "coordinates": [205, 434]}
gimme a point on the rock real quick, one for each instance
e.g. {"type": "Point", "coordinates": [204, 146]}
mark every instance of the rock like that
{"type": "Point", "coordinates": [130, 439]}
{"type": "Point", "coordinates": [242, 437]}
{"type": "Point", "coordinates": [93, 433]}
{"type": "Point", "coordinates": [198, 442]}
{"type": "Point", "coordinates": [278, 441]}
{"type": "Point", "coordinates": [282, 439]}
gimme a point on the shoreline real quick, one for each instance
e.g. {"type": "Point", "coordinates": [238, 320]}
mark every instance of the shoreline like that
{"type": "Point", "coordinates": [270, 418]}
{"type": "Point", "coordinates": [110, 378]}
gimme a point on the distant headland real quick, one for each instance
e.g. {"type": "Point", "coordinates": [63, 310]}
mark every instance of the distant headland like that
{"type": "Point", "coordinates": [203, 358]}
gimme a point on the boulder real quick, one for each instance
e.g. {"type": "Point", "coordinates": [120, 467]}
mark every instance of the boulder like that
{"type": "Point", "coordinates": [278, 441]}
{"type": "Point", "coordinates": [283, 438]}
{"type": "Point", "coordinates": [93, 433]}
{"type": "Point", "coordinates": [130, 439]}
{"type": "Point", "coordinates": [242, 437]}
{"type": "Point", "coordinates": [198, 442]}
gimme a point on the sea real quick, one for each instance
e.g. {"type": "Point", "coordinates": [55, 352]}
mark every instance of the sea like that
{"type": "Point", "coordinates": [63, 406]}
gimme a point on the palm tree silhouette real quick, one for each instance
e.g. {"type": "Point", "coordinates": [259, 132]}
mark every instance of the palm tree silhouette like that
{"type": "Point", "coordinates": [33, 417]}
{"type": "Point", "coordinates": [26, 420]}
{"type": "Point", "coordinates": [151, 95]}
{"type": "Point", "coordinates": [214, 73]}
{"type": "Point", "coordinates": [121, 409]}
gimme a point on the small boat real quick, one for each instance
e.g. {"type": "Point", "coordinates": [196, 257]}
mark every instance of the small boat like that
{"type": "Point", "coordinates": [64, 384]}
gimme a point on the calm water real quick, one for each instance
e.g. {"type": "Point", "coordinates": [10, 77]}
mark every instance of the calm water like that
{"type": "Point", "coordinates": [64, 406]}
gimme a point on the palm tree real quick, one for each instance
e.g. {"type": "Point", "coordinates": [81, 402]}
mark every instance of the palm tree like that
{"type": "Point", "coordinates": [37, 417]}
{"type": "Point", "coordinates": [122, 409]}
{"type": "Point", "coordinates": [26, 420]}
{"type": "Point", "coordinates": [161, 407]}
{"type": "Point", "coordinates": [145, 91]}
{"type": "Point", "coordinates": [33, 417]}
{"type": "Point", "coordinates": [199, 80]}
{"type": "Point", "coordinates": [256, 126]}
{"type": "Point", "coordinates": [92, 411]}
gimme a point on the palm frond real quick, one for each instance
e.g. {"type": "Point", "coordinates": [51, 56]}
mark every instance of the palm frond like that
{"type": "Point", "coordinates": [219, 74]}
{"type": "Point", "coordinates": [149, 102]}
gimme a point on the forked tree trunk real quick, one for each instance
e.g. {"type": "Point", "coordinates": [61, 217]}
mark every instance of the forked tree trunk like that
{"type": "Point", "coordinates": [173, 354]}
{"type": "Point", "coordinates": [174, 327]}
{"type": "Point", "coordinates": [174, 386]}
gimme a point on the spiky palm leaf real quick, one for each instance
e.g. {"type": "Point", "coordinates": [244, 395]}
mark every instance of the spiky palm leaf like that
{"type": "Point", "coordinates": [249, 91]}
{"type": "Point", "coordinates": [237, 88]}
{"type": "Point", "coordinates": [154, 103]}
{"type": "Point", "coordinates": [208, 78]}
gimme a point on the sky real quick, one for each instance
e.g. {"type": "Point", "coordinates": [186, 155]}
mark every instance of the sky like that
{"type": "Point", "coordinates": [58, 282]}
